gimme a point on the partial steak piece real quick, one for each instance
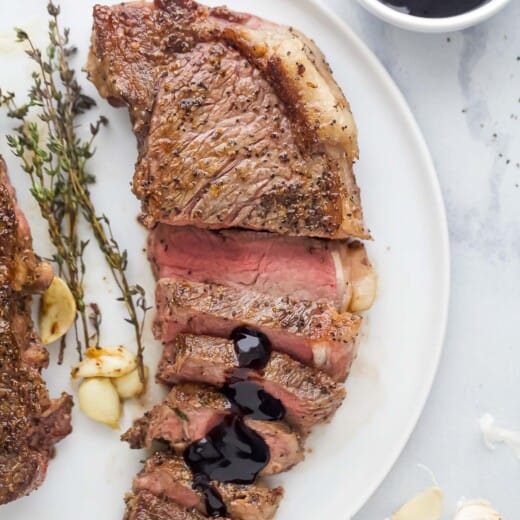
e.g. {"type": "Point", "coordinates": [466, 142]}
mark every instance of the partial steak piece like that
{"type": "Point", "coordinates": [239, 121]}
{"type": "Point", "coordinates": [312, 332]}
{"type": "Point", "coordinates": [147, 506]}
{"type": "Point", "coordinates": [309, 396]}
{"type": "Point", "coordinates": [190, 411]}
{"type": "Point", "coordinates": [307, 269]}
{"type": "Point", "coordinates": [187, 414]}
{"type": "Point", "coordinates": [30, 422]}
{"type": "Point", "coordinates": [167, 476]}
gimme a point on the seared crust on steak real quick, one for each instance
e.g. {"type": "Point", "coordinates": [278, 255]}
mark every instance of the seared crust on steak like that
{"type": "Point", "coordinates": [167, 475]}
{"type": "Point", "coordinates": [147, 506]}
{"type": "Point", "coordinates": [190, 411]}
{"type": "Point", "coordinates": [30, 422]}
{"type": "Point", "coordinates": [239, 121]}
{"type": "Point", "coordinates": [311, 332]}
{"type": "Point", "coordinates": [308, 395]}
{"type": "Point", "coordinates": [306, 268]}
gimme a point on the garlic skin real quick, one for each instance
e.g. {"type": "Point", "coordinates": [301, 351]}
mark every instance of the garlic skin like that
{"type": "Point", "coordinates": [427, 505]}
{"type": "Point", "coordinates": [99, 400]}
{"type": "Point", "coordinates": [476, 510]}
{"type": "Point", "coordinates": [494, 435]}
{"type": "Point", "coordinates": [57, 311]}
{"type": "Point", "coordinates": [104, 362]}
{"type": "Point", "coordinates": [130, 385]}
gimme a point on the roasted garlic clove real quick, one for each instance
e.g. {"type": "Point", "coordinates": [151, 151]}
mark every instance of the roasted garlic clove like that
{"type": "Point", "coordinates": [476, 510]}
{"type": "Point", "coordinates": [427, 505]}
{"type": "Point", "coordinates": [104, 362]}
{"type": "Point", "coordinates": [99, 400]}
{"type": "Point", "coordinates": [130, 385]}
{"type": "Point", "coordinates": [57, 311]}
{"type": "Point", "coordinates": [364, 291]}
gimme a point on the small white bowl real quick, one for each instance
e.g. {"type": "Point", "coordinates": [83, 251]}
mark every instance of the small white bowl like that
{"type": "Point", "coordinates": [433, 25]}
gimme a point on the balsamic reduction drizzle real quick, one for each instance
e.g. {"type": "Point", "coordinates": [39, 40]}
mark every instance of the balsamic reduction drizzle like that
{"type": "Point", "coordinates": [435, 8]}
{"type": "Point", "coordinates": [252, 347]}
{"type": "Point", "coordinates": [215, 506]}
{"type": "Point", "coordinates": [231, 451]}
{"type": "Point", "coordinates": [248, 398]}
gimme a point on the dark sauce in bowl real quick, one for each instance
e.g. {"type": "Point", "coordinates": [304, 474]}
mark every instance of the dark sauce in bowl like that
{"type": "Point", "coordinates": [434, 8]}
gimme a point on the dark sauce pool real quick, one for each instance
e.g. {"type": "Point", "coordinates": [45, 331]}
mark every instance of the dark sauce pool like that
{"type": "Point", "coordinates": [434, 8]}
{"type": "Point", "coordinates": [231, 451]}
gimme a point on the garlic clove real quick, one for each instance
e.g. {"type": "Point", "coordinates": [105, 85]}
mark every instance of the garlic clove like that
{"type": "Point", "coordinates": [130, 385]}
{"type": "Point", "coordinates": [99, 400]}
{"type": "Point", "coordinates": [476, 510]}
{"type": "Point", "coordinates": [364, 291]}
{"type": "Point", "coordinates": [104, 362]}
{"type": "Point", "coordinates": [57, 311]}
{"type": "Point", "coordinates": [427, 505]}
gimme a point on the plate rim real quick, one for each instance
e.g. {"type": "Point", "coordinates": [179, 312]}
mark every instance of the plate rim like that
{"type": "Point", "coordinates": [430, 175]}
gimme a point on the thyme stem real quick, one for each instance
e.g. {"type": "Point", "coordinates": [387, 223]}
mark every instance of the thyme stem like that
{"type": "Point", "coordinates": [60, 181]}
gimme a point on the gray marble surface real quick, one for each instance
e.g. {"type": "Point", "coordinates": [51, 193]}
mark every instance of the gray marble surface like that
{"type": "Point", "coordinates": [464, 89]}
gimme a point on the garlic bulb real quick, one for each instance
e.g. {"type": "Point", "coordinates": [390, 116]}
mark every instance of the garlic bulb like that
{"type": "Point", "coordinates": [427, 505]}
{"type": "Point", "coordinates": [476, 510]}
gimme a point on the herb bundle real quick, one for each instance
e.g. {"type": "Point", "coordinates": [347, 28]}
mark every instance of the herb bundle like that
{"type": "Point", "coordinates": [55, 158]}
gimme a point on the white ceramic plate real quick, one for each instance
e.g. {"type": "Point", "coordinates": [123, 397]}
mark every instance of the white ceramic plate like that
{"type": "Point", "coordinates": [403, 333]}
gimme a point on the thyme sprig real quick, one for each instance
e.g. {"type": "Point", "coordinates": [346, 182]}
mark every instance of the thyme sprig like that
{"type": "Point", "coordinates": [56, 164]}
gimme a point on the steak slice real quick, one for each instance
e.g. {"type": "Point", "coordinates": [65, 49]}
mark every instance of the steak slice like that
{"type": "Point", "coordinates": [190, 411]}
{"type": "Point", "coordinates": [166, 475]}
{"type": "Point", "coordinates": [239, 121]}
{"type": "Point", "coordinates": [187, 413]}
{"type": "Point", "coordinates": [309, 396]}
{"type": "Point", "coordinates": [30, 422]}
{"type": "Point", "coordinates": [307, 269]}
{"type": "Point", "coordinates": [311, 332]}
{"type": "Point", "coordinates": [146, 506]}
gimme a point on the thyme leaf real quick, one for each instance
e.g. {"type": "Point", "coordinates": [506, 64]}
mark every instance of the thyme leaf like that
{"type": "Point", "coordinates": [55, 158]}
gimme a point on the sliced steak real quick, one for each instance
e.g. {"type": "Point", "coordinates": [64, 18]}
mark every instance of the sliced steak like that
{"type": "Point", "coordinates": [167, 476]}
{"type": "Point", "coordinates": [305, 268]}
{"type": "Point", "coordinates": [312, 332]}
{"type": "Point", "coordinates": [30, 422]}
{"type": "Point", "coordinates": [147, 506]}
{"type": "Point", "coordinates": [239, 121]}
{"type": "Point", "coordinates": [190, 411]}
{"type": "Point", "coordinates": [187, 414]}
{"type": "Point", "coordinates": [308, 395]}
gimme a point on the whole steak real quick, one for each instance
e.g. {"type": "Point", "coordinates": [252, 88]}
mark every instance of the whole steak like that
{"type": "Point", "coordinates": [239, 121]}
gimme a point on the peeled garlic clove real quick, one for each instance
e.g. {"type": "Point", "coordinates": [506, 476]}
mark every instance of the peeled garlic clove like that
{"type": "Point", "coordinates": [130, 385]}
{"type": "Point", "coordinates": [427, 505]}
{"type": "Point", "coordinates": [57, 311]}
{"type": "Point", "coordinates": [104, 362]}
{"type": "Point", "coordinates": [476, 510]}
{"type": "Point", "coordinates": [99, 400]}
